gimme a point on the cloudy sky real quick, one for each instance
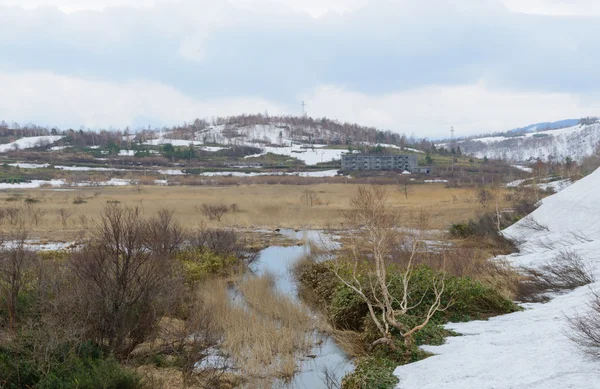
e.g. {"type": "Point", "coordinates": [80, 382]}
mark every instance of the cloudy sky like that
{"type": "Point", "coordinates": [410, 66]}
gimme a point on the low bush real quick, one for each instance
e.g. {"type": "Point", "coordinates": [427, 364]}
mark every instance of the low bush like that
{"type": "Point", "coordinates": [585, 328]}
{"type": "Point", "coordinates": [79, 200]}
{"type": "Point", "coordinates": [85, 366]}
{"type": "Point", "coordinates": [199, 264]}
{"type": "Point", "coordinates": [487, 225]}
{"type": "Point", "coordinates": [566, 271]}
{"type": "Point", "coordinates": [372, 372]}
{"type": "Point", "coordinates": [214, 212]}
{"type": "Point", "coordinates": [468, 298]}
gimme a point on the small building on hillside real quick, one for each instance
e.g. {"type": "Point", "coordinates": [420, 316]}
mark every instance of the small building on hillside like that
{"type": "Point", "coordinates": [380, 162]}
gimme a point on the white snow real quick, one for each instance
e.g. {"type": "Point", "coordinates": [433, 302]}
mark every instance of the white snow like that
{"type": "Point", "coordinates": [516, 183]}
{"type": "Point", "coordinates": [32, 185]}
{"type": "Point", "coordinates": [324, 173]}
{"type": "Point", "coordinates": [528, 349]}
{"type": "Point", "coordinates": [111, 182]}
{"type": "Point", "coordinates": [576, 142]}
{"type": "Point", "coordinates": [126, 153]}
{"type": "Point", "coordinates": [172, 172]}
{"type": "Point", "coordinates": [523, 168]}
{"type": "Point", "coordinates": [556, 186]}
{"type": "Point", "coordinates": [309, 156]}
{"type": "Point", "coordinates": [30, 142]}
{"type": "Point", "coordinates": [435, 181]}
{"type": "Point", "coordinates": [213, 148]}
{"type": "Point", "coordinates": [24, 165]}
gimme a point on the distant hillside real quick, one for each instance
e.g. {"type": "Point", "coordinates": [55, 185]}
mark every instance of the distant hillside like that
{"type": "Point", "coordinates": [545, 126]}
{"type": "Point", "coordinates": [531, 143]}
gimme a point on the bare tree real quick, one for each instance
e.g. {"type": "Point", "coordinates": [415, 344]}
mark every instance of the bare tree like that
{"type": "Point", "coordinates": [125, 287]}
{"type": "Point", "coordinates": [309, 198]}
{"type": "Point", "coordinates": [36, 215]}
{"type": "Point", "coordinates": [64, 214]}
{"type": "Point", "coordinates": [15, 262]}
{"type": "Point", "coordinates": [405, 187]}
{"type": "Point", "coordinates": [164, 235]}
{"type": "Point", "coordinates": [214, 212]}
{"type": "Point", "coordinates": [363, 265]}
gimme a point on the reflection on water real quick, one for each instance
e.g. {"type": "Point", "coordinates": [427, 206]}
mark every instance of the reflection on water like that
{"type": "Point", "coordinates": [325, 355]}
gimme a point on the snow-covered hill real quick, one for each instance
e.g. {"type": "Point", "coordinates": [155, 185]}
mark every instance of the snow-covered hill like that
{"type": "Point", "coordinates": [528, 349]}
{"type": "Point", "coordinates": [30, 142]}
{"type": "Point", "coordinates": [576, 142]}
{"type": "Point", "coordinates": [312, 144]}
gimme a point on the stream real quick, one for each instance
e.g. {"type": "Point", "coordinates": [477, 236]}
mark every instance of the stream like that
{"type": "Point", "coordinates": [279, 261]}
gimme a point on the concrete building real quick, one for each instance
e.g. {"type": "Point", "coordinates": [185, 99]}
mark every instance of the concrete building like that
{"type": "Point", "coordinates": [380, 162]}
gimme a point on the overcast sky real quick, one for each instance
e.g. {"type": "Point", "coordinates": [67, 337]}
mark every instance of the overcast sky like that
{"type": "Point", "coordinates": [411, 66]}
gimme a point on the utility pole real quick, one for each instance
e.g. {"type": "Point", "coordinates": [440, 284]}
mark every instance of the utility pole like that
{"type": "Point", "coordinates": [452, 146]}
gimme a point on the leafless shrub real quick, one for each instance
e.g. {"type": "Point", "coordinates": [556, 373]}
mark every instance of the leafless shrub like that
{"type": "Point", "coordinates": [224, 242]}
{"type": "Point", "coordinates": [581, 237]}
{"type": "Point", "coordinates": [83, 219]}
{"type": "Point", "coordinates": [309, 198]}
{"type": "Point", "coordinates": [532, 224]}
{"type": "Point", "coordinates": [234, 208]}
{"type": "Point", "coordinates": [123, 286]}
{"type": "Point", "coordinates": [164, 234]}
{"type": "Point", "coordinates": [36, 215]}
{"type": "Point", "coordinates": [64, 214]}
{"type": "Point", "coordinates": [484, 197]}
{"type": "Point", "coordinates": [214, 212]}
{"type": "Point", "coordinates": [585, 328]}
{"type": "Point", "coordinates": [16, 261]}
{"type": "Point", "coordinates": [565, 272]}
{"type": "Point", "coordinates": [362, 265]}
{"type": "Point", "coordinates": [14, 215]}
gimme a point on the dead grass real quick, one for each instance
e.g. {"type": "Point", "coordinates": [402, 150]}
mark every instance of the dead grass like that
{"type": "Point", "coordinates": [264, 337]}
{"type": "Point", "coordinates": [258, 206]}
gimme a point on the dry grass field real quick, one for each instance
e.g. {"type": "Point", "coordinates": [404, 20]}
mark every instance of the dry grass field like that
{"type": "Point", "coordinates": [65, 215]}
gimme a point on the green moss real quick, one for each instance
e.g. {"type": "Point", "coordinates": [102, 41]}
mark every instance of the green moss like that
{"type": "Point", "coordinates": [199, 263]}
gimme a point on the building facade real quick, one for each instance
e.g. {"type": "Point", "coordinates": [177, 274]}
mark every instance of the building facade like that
{"type": "Point", "coordinates": [380, 162]}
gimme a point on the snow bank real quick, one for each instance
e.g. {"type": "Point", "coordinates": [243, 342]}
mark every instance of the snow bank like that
{"type": "Point", "coordinates": [324, 173]}
{"type": "Point", "coordinates": [526, 349]}
{"type": "Point", "coordinates": [523, 168]}
{"type": "Point", "coordinates": [309, 156]}
{"type": "Point", "coordinates": [32, 185]}
{"type": "Point", "coordinates": [29, 142]}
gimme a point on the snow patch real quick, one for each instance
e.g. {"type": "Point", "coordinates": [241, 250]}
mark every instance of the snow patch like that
{"type": "Point", "coordinates": [527, 349]}
{"type": "Point", "coordinates": [30, 142]}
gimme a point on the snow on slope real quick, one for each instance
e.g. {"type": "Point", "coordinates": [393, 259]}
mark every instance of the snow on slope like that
{"type": "Point", "coordinates": [576, 142]}
{"type": "Point", "coordinates": [29, 143]}
{"type": "Point", "coordinates": [309, 156]}
{"type": "Point", "coordinates": [527, 349]}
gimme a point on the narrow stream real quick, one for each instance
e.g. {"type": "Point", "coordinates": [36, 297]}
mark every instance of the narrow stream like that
{"type": "Point", "coordinates": [279, 261]}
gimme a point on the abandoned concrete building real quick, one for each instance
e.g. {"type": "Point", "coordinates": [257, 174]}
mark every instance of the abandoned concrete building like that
{"type": "Point", "coordinates": [380, 162]}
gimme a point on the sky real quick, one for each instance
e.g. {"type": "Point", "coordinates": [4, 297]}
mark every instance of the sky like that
{"type": "Point", "coordinates": [409, 66]}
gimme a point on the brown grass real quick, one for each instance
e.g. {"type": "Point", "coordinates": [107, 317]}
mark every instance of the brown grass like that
{"type": "Point", "coordinates": [264, 337]}
{"type": "Point", "coordinates": [259, 206]}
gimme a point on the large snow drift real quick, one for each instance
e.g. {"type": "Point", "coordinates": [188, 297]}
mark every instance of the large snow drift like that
{"type": "Point", "coordinates": [30, 142]}
{"type": "Point", "coordinates": [528, 349]}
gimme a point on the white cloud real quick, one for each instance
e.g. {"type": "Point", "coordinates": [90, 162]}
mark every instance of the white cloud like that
{"type": "Point", "coordinates": [49, 99]}
{"type": "Point", "coordinates": [555, 7]}
{"type": "Point", "coordinates": [430, 111]}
